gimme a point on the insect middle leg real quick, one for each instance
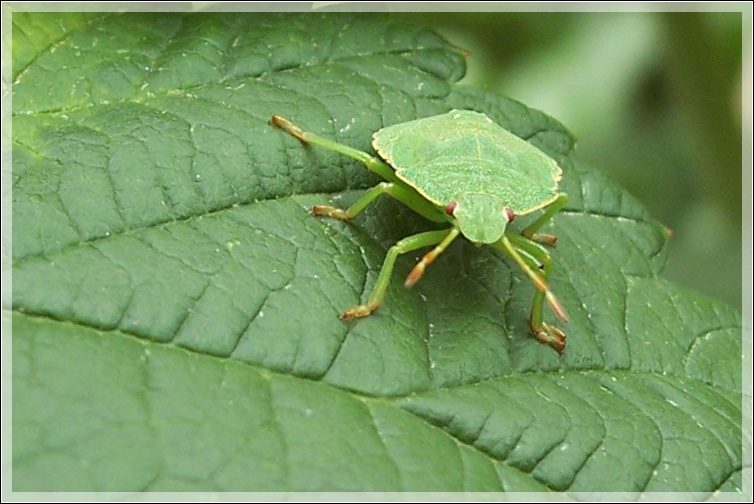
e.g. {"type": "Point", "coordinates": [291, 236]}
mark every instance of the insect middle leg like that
{"type": "Point", "coordinates": [397, 191]}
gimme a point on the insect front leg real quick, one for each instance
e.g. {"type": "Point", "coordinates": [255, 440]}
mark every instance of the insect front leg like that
{"type": "Point", "coordinates": [408, 244]}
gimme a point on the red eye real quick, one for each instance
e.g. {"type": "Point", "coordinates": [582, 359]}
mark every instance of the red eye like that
{"type": "Point", "coordinates": [510, 214]}
{"type": "Point", "coordinates": [450, 208]}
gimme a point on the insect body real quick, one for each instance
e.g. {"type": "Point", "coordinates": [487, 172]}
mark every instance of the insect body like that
{"type": "Point", "coordinates": [462, 169]}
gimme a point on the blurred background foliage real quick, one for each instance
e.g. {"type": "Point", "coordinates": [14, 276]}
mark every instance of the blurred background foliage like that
{"type": "Point", "coordinates": [654, 99]}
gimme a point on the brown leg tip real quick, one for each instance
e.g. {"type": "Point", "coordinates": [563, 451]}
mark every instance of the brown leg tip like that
{"type": "Point", "coordinates": [328, 211]}
{"type": "Point", "coordinates": [558, 344]}
{"type": "Point", "coordinates": [414, 276]}
{"type": "Point", "coordinates": [556, 307]}
{"type": "Point", "coordinates": [358, 312]}
{"type": "Point", "coordinates": [543, 238]}
{"type": "Point", "coordinates": [288, 127]}
{"type": "Point", "coordinates": [551, 335]}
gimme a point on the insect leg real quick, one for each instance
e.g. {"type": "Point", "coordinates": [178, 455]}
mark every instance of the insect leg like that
{"type": "Point", "coordinates": [529, 256]}
{"type": "Point", "coordinates": [357, 207]}
{"type": "Point", "coordinates": [397, 191]}
{"type": "Point", "coordinates": [418, 271]}
{"type": "Point", "coordinates": [407, 244]}
{"type": "Point", "coordinates": [547, 239]}
{"type": "Point", "coordinates": [397, 188]}
{"type": "Point", "coordinates": [371, 162]}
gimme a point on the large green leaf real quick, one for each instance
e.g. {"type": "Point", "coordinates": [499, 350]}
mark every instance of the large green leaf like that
{"type": "Point", "coordinates": [175, 307]}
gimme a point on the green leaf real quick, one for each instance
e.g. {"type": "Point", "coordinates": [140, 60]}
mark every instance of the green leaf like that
{"type": "Point", "coordinates": [175, 306]}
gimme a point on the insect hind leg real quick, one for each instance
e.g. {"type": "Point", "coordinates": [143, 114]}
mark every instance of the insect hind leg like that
{"type": "Point", "coordinates": [371, 162]}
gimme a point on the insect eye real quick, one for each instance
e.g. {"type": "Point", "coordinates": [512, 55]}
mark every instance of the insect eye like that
{"type": "Point", "coordinates": [509, 213]}
{"type": "Point", "coordinates": [450, 208]}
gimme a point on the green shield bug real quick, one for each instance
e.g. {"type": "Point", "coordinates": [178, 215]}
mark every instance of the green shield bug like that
{"type": "Point", "coordinates": [463, 169]}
